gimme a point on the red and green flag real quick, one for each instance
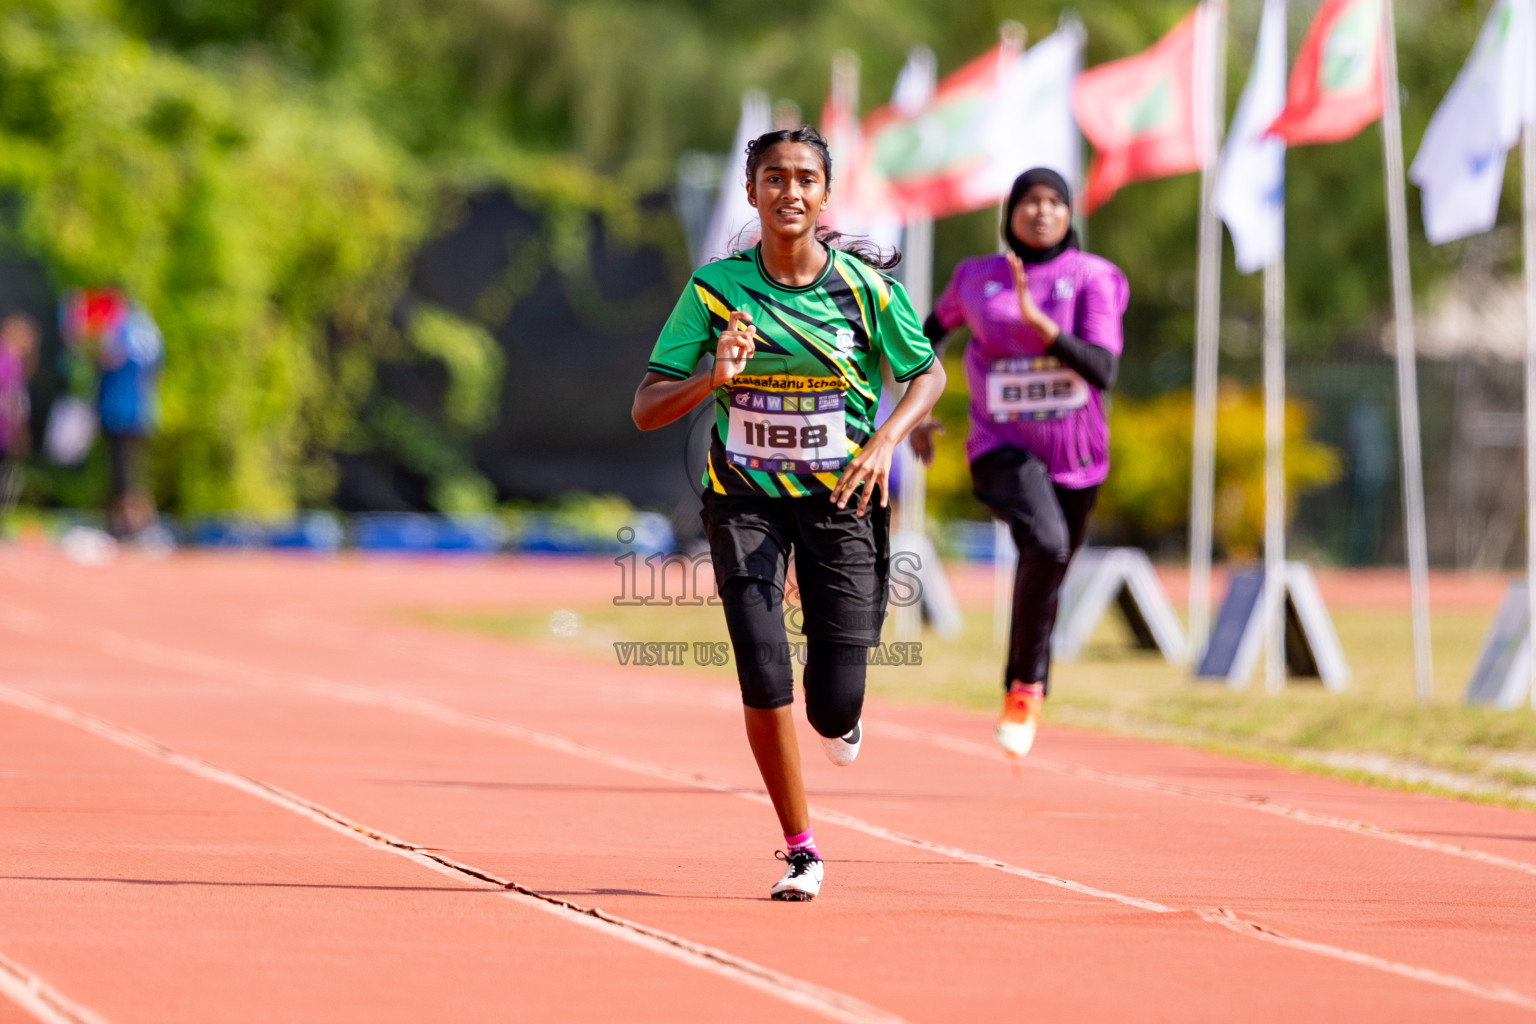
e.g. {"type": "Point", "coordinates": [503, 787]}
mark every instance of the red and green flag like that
{"type": "Point", "coordinates": [930, 163]}
{"type": "Point", "coordinates": [1335, 87]}
{"type": "Point", "coordinates": [1142, 113]}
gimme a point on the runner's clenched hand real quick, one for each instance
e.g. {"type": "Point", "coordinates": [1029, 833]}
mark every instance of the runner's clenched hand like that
{"type": "Point", "coordinates": [736, 345]}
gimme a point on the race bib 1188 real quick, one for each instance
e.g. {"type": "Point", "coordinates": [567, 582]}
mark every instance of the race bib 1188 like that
{"type": "Point", "coordinates": [787, 425]}
{"type": "Point", "coordinates": [1033, 389]}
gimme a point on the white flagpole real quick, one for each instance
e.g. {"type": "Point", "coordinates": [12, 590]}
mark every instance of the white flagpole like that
{"type": "Point", "coordinates": [1005, 564]}
{"type": "Point", "coordinates": [1005, 557]}
{"type": "Point", "coordinates": [1207, 326]}
{"type": "Point", "coordinates": [1274, 473]}
{"type": "Point", "coordinates": [912, 496]}
{"type": "Point", "coordinates": [845, 84]}
{"type": "Point", "coordinates": [917, 278]}
{"type": "Point", "coordinates": [1407, 371]}
{"type": "Point", "coordinates": [1528, 188]}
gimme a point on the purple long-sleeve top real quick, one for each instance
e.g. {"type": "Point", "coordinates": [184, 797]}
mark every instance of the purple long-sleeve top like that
{"type": "Point", "coordinates": [1086, 296]}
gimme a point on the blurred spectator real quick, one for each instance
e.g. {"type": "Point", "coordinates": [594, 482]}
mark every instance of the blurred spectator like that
{"type": "Point", "coordinates": [128, 352]}
{"type": "Point", "coordinates": [18, 358]}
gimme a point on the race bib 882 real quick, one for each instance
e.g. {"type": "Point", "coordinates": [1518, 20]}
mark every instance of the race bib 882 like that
{"type": "Point", "coordinates": [1033, 389]}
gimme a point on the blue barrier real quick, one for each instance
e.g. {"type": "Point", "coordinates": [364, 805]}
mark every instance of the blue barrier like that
{"type": "Point", "coordinates": [548, 533]}
{"type": "Point", "coordinates": [420, 533]}
{"type": "Point", "coordinates": [413, 532]}
{"type": "Point", "coordinates": [309, 531]}
{"type": "Point", "coordinates": [972, 541]}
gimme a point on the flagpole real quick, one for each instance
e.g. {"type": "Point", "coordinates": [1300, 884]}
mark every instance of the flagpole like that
{"type": "Point", "coordinates": [912, 499]}
{"type": "Point", "coordinates": [1407, 371]}
{"type": "Point", "coordinates": [1207, 324]}
{"type": "Point", "coordinates": [1274, 473]}
{"type": "Point", "coordinates": [1528, 188]}
{"type": "Point", "coordinates": [1005, 561]}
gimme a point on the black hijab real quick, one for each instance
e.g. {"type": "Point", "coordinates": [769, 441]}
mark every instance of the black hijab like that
{"type": "Point", "coordinates": [1022, 184]}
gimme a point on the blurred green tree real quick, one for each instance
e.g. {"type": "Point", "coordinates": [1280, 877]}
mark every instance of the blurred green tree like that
{"type": "Point", "coordinates": [263, 227]}
{"type": "Point", "coordinates": [1146, 498]}
{"type": "Point", "coordinates": [260, 173]}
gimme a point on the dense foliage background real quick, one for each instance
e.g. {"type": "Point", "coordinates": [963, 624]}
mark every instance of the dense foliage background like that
{"type": "Point", "coordinates": [261, 173]}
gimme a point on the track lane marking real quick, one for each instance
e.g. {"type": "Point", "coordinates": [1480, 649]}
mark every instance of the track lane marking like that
{"type": "Point", "coordinates": [1497, 993]}
{"type": "Point", "coordinates": [806, 995]}
{"type": "Point", "coordinates": [1149, 785]}
{"type": "Point", "coordinates": [186, 660]}
{"type": "Point", "coordinates": [161, 656]}
{"type": "Point", "coordinates": [40, 999]}
{"type": "Point", "coordinates": [285, 625]}
{"type": "Point", "coordinates": [330, 635]}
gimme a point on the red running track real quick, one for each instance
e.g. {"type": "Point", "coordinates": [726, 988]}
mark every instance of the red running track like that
{"type": "Point", "coordinates": [238, 789]}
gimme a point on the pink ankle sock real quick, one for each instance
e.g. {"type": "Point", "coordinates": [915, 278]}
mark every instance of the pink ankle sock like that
{"type": "Point", "coordinates": [803, 841]}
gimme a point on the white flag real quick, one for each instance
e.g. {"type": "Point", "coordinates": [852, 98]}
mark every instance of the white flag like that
{"type": "Point", "coordinates": [914, 83]}
{"type": "Point", "coordinates": [1031, 122]}
{"type": "Point", "coordinates": [1250, 188]}
{"type": "Point", "coordinates": [1460, 164]}
{"type": "Point", "coordinates": [732, 211]}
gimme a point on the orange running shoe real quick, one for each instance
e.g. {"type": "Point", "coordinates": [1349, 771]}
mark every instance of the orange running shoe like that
{"type": "Point", "coordinates": [1021, 712]}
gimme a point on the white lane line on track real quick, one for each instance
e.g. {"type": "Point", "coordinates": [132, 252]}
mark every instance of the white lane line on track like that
{"type": "Point", "coordinates": [41, 999]}
{"type": "Point", "coordinates": [803, 994]}
{"type": "Point", "coordinates": [161, 656]}
{"type": "Point", "coordinates": [331, 634]}
{"type": "Point", "coordinates": [348, 637]}
{"type": "Point", "coordinates": [196, 662]}
{"type": "Point", "coordinates": [294, 628]}
{"type": "Point", "coordinates": [1146, 785]}
{"type": "Point", "coordinates": [980, 860]}
{"type": "Point", "coordinates": [1497, 993]}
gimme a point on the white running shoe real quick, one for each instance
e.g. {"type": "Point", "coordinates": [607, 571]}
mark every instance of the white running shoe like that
{"type": "Point", "coordinates": [802, 879]}
{"type": "Point", "coordinates": [841, 750]}
{"type": "Point", "coordinates": [1016, 725]}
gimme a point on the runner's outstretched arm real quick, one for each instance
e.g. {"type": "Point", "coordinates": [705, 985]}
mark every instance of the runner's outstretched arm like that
{"type": "Point", "coordinates": [872, 466]}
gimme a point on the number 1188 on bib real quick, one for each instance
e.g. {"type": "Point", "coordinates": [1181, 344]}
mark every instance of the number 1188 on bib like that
{"type": "Point", "coordinates": [787, 432]}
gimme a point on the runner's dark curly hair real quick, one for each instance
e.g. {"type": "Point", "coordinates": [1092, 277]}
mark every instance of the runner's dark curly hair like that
{"type": "Point", "coordinates": [860, 248]}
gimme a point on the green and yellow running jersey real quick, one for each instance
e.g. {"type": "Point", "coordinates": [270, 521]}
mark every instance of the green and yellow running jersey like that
{"type": "Point", "coordinates": [805, 403]}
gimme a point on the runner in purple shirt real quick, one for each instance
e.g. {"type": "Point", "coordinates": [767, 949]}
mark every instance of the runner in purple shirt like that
{"type": "Point", "coordinates": [1045, 344]}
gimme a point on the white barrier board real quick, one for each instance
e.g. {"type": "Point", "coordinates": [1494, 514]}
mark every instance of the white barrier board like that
{"type": "Point", "coordinates": [1124, 578]}
{"type": "Point", "coordinates": [1237, 639]}
{"type": "Point", "coordinates": [1502, 678]}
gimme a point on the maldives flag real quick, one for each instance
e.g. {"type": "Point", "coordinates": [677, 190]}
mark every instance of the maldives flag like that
{"type": "Point", "coordinates": [1335, 85]}
{"type": "Point", "coordinates": [1142, 113]}
{"type": "Point", "coordinates": [931, 163]}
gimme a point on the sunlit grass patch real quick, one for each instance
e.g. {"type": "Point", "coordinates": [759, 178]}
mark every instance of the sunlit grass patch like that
{"type": "Point", "coordinates": [1115, 687]}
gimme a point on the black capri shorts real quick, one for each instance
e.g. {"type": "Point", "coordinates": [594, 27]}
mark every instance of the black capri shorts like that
{"type": "Point", "coordinates": [841, 564]}
{"type": "Point", "coordinates": [842, 560]}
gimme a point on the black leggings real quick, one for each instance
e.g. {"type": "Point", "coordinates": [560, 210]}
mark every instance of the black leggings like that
{"type": "Point", "coordinates": [1047, 522]}
{"type": "Point", "coordinates": [834, 672]}
{"type": "Point", "coordinates": [123, 460]}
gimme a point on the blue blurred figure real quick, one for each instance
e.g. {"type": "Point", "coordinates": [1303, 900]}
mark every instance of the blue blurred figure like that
{"type": "Point", "coordinates": [127, 403]}
{"type": "Point", "coordinates": [128, 353]}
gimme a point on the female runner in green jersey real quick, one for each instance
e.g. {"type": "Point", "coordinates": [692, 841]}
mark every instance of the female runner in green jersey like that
{"type": "Point", "coordinates": [797, 329]}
